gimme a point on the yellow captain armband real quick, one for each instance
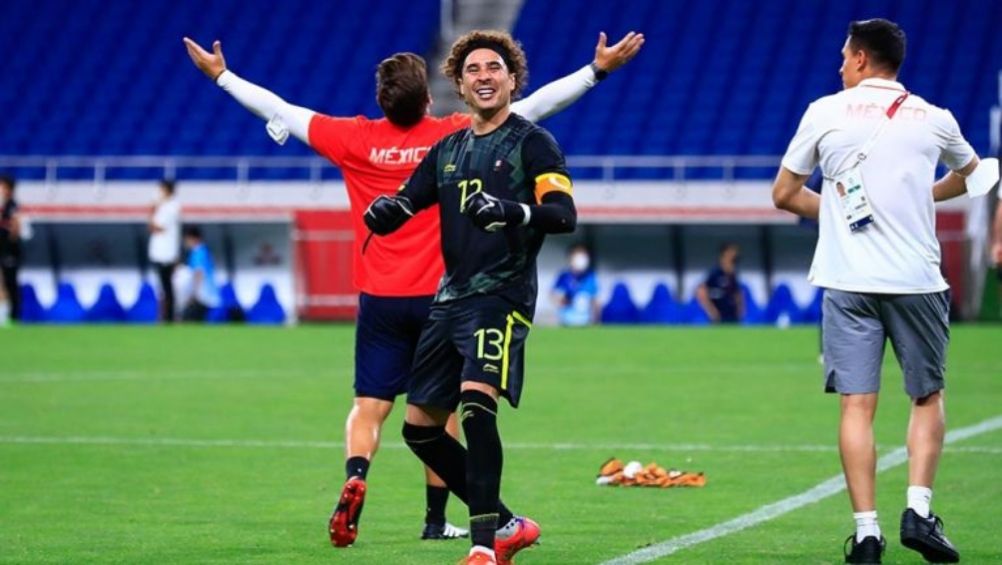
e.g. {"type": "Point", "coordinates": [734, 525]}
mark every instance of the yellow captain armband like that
{"type": "Point", "coordinates": [549, 182]}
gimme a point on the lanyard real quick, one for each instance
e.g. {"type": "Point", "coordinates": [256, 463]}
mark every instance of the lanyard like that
{"type": "Point", "coordinates": [877, 132]}
{"type": "Point", "coordinates": [865, 150]}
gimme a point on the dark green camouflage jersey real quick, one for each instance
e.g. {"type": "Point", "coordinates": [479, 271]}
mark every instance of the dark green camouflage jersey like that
{"type": "Point", "coordinates": [506, 163]}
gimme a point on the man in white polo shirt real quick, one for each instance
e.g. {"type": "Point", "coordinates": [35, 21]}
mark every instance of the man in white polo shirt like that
{"type": "Point", "coordinates": [879, 260]}
{"type": "Point", "coordinates": [165, 244]}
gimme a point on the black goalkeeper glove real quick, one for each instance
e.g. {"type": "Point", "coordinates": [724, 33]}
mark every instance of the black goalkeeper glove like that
{"type": "Point", "coordinates": [387, 213]}
{"type": "Point", "coordinates": [490, 213]}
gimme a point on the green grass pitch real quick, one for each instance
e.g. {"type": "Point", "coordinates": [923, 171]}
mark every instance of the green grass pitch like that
{"type": "Point", "coordinates": [221, 445]}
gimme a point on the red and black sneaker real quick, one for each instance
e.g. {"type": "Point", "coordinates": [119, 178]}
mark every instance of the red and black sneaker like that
{"type": "Point", "coordinates": [343, 525]}
{"type": "Point", "coordinates": [525, 535]}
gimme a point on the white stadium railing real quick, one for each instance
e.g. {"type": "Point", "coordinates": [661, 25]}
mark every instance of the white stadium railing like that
{"type": "Point", "coordinates": [241, 166]}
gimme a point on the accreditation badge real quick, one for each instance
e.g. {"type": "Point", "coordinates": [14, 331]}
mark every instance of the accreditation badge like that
{"type": "Point", "coordinates": [852, 196]}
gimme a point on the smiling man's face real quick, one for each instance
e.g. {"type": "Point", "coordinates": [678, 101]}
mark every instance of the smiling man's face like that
{"type": "Point", "coordinates": [487, 84]}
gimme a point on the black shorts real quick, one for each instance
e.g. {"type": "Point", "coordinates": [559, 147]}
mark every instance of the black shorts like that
{"type": "Point", "coordinates": [386, 336]}
{"type": "Point", "coordinates": [480, 339]}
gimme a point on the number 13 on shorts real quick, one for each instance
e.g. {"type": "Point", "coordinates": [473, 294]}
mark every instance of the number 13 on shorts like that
{"type": "Point", "coordinates": [494, 345]}
{"type": "Point", "coordinates": [490, 344]}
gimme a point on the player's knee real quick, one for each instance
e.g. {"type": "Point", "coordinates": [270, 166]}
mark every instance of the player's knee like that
{"type": "Point", "coordinates": [477, 405]}
{"type": "Point", "coordinates": [931, 398]}
{"type": "Point", "coordinates": [416, 436]}
{"type": "Point", "coordinates": [371, 409]}
{"type": "Point", "coordinates": [474, 386]}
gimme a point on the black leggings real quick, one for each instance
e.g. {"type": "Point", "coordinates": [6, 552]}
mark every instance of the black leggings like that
{"type": "Point", "coordinates": [11, 289]}
{"type": "Point", "coordinates": [165, 272]}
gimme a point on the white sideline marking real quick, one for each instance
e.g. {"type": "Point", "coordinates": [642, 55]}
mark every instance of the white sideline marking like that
{"type": "Point", "coordinates": [319, 444]}
{"type": "Point", "coordinates": [129, 375]}
{"type": "Point", "coordinates": [209, 374]}
{"type": "Point", "coordinates": [765, 513]}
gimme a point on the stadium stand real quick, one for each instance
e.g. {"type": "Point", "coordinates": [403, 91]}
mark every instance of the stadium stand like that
{"type": "Point", "coordinates": [726, 77]}
{"type": "Point", "coordinates": [717, 78]}
{"type": "Point", "coordinates": [116, 81]}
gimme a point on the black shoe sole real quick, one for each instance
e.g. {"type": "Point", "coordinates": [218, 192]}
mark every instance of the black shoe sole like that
{"type": "Point", "coordinates": [930, 553]}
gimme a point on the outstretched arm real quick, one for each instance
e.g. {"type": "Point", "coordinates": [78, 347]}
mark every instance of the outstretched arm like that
{"type": "Point", "coordinates": [283, 118]}
{"type": "Point", "coordinates": [557, 95]}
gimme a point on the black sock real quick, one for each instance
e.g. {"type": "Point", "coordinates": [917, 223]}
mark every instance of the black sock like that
{"type": "Point", "coordinates": [356, 467]}
{"type": "Point", "coordinates": [436, 497]}
{"type": "Point", "coordinates": [483, 468]}
{"type": "Point", "coordinates": [447, 457]}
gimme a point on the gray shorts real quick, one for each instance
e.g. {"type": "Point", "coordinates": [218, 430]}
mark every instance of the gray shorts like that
{"type": "Point", "coordinates": [856, 326]}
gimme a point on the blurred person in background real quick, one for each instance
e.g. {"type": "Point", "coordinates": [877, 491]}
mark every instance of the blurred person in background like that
{"type": "Point", "coordinates": [165, 244]}
{"type": "Point", "coordinates": [576, 289]}
{"type": "Point", "coordinates": [204, 292]}
{"type": "Point", "coordinates": [10, 251]}
{"type": "Point", "coordinates": [997, 242]}
{"type": "Point", "coordinates": [720, 294]}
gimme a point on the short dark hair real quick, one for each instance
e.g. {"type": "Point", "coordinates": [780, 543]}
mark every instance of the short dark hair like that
{"type": "Point", "coordinates": [402, 88]}
{"type": "Point", "coordinates": [499, 41]}
{"type": "Point", "coordinates": [882, 40]}
{"type": "Point", "coordinates": [167, 185]}
{"type": "Point", "coordinates": [8, 180]}
{"type": "Point", "coordinates": [724, 247]}
{"type": "Point", "coordinates": [193, 232]}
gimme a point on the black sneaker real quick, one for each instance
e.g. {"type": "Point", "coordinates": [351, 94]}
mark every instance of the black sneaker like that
{"type": "Point", "coordinates": [925, 535]}
{"type": "Point", "coordinates": [867, 551]}
{"type": "Point", "coordinates": [443, 531]}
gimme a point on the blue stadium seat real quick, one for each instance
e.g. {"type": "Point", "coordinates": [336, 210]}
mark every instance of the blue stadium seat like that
{"type": "Point", "coordinates": [753, 312]}
{"type": "Point", "coordinates": [32, 311]}
{"type": "Point", "coordinates": [620, 309]}
{"type": "Point", "coordinates": [693, 313]}
{"type": "Point", "coordinates": [781, 306]}
{"type": "Point", "coordinates": [811, 314]}
{"type": "Point", "coordinates": [266, 310]}
{"type": "Point", "coordinates": [146, 309]}
{"type": "Point", "coordinates": [106, 308]}
{"type": "Point", "coordinates": [662, 308]}
{"type": "Point", "coordinates": [229, 309]}
{"type": "Point", "coordinates": [66, 309]}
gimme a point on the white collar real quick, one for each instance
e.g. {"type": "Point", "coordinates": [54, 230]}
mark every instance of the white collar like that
{"type": "Point", "coordinates": [882, 83]}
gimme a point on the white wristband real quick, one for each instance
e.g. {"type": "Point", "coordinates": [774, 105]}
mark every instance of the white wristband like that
{"type": "Point", "coordinates": [528, 214]}
{"type": "Point", "coordinates": [222, 80]}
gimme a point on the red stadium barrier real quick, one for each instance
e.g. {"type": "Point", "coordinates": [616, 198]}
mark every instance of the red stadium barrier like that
{"type": "Point", "coordinates": [324, 245]}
